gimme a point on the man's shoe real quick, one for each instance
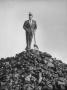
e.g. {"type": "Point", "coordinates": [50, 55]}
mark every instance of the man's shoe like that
{"type": "Point", "coordinates": [27, 49]}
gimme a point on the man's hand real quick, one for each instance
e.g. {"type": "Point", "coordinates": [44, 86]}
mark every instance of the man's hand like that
{"type": "Point", "coordinates": [32, 31]}
{"type": "Point", "coordinates": [25, 28]}
{"type": "Point", "coordinates": [28, 30]}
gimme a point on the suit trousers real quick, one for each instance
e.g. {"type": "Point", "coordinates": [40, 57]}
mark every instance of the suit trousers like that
{"type": "Point", "coordinates": [29, 36]}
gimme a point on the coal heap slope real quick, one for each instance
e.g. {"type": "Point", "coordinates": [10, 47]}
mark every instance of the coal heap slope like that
{"type": "Point", "coordinates": [32, 70]}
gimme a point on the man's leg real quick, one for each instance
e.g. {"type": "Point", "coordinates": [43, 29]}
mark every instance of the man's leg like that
{"type": "Point", "coordinates": [30, 40]}
{"type": "Point", "coordinates": [27, 40]}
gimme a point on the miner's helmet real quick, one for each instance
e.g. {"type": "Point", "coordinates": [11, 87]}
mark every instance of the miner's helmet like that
{"type": "Point", "coordinates": [30, 14]}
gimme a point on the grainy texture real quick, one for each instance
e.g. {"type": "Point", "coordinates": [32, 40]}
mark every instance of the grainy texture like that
{"type": "Point", "coordinates": [32, 70]}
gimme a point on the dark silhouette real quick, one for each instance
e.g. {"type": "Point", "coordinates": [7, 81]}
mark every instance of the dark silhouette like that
{"type": "Point", "coordinates": [30, 27]}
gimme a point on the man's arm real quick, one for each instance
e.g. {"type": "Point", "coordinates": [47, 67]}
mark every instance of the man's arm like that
{"type": "Point", "coordinates": [25, 26]}
{"type": "Point", "coordinates": [35, 26]}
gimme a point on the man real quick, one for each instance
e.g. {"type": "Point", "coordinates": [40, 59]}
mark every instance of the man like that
{"type": "Point", "coordinates": [30, 27]}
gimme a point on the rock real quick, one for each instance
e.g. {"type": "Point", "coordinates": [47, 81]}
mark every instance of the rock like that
{"type": "Point", "coordinates": [28, 87]}
{"type": "Point", "coordinates": [40, 77]}
{"type": "Point", "coordinates": [45, 88]}
{"type": "Point", "coordinates": [38, 88]}
{"type": "Point", "coordinates": [33, 70]}
{"type": "Point", "coordinates": [28, 78]}
{"type": "Point", "coordinates": [50, 86]}
{"type": "Point", "coordinates": [50, 65]}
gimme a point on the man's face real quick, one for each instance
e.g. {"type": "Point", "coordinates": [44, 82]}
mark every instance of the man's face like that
{"type": "Point", "coordinates": [30, 17]}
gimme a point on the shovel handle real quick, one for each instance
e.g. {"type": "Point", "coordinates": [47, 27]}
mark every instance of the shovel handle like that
{"type": "Point", "coordinates": [34, 39]}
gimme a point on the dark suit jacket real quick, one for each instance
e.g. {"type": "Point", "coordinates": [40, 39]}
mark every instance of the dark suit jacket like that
{"type": "Point", "coordinates": [28, 26]}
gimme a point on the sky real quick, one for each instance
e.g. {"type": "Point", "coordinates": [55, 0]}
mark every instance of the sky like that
{"type": "Point", "coordinates": [51, 33]}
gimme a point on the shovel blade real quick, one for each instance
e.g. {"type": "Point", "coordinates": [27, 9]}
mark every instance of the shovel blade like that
{"type": "Point", "coordinates": [36, 47]}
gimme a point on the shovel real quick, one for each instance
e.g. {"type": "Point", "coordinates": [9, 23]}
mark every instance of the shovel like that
{"type": "Point", "coordinates": [35, 45]}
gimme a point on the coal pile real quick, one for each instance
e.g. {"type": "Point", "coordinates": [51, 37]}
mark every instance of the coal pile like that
{"type": "Point", "coordinates": [32, 70]}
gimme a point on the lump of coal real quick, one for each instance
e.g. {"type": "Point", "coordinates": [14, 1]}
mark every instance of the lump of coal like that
{"type": "Point", "coordinates": [32, 70]}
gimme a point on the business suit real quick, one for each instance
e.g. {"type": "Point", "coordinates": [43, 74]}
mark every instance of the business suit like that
{"type": "Point", "coordinates": [30, 29]}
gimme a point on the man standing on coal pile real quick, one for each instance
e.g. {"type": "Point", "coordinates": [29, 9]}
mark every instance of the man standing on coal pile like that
{"type": "Point", "coordinates": [30, 27]}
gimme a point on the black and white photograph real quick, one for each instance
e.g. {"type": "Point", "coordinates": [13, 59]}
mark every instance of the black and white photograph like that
{"type": "Point", "coordinates": [33, 44]}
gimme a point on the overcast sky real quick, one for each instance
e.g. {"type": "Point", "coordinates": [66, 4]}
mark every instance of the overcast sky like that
{"type": "Point", "coordinates": [51, 34]}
